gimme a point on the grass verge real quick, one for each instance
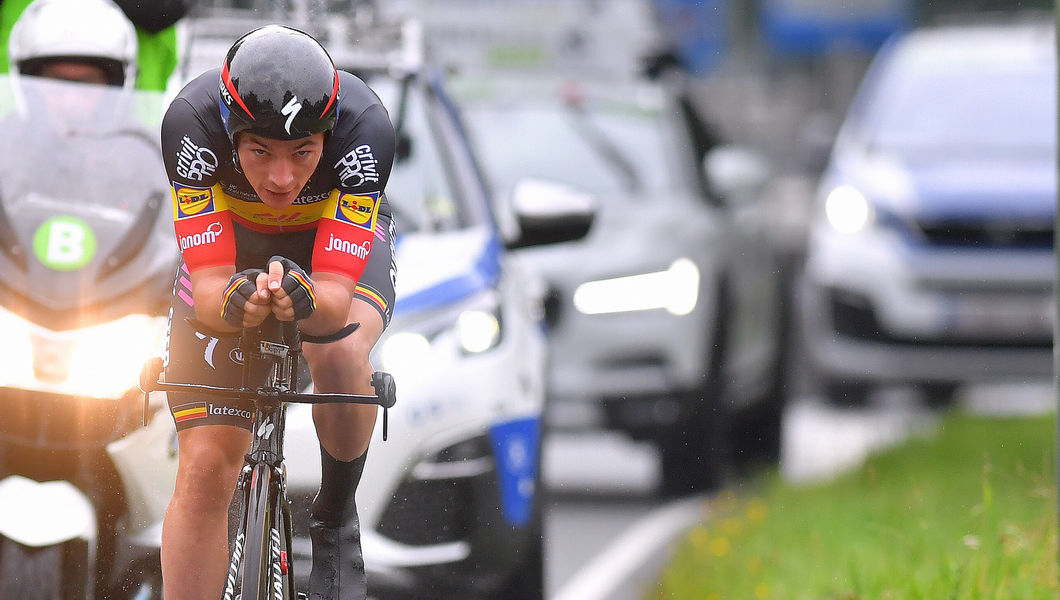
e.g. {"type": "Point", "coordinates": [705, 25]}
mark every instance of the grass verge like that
{"type": "Point", "coordinates": [966, 514]}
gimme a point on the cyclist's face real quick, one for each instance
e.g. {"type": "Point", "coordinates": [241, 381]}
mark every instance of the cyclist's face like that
{"type": "Point", "coordinates": [278, 169]}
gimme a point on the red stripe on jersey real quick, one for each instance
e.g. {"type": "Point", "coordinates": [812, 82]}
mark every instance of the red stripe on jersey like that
{"type": "Point", "coordinates": [341, 248]}
{"type": "Point", "coordinates": [206, 240]}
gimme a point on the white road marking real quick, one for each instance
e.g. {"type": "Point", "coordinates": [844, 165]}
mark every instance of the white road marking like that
{"type": "Point", "coordinates": [645, 541]}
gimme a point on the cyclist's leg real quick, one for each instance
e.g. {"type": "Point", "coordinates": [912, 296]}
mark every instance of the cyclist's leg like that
{"type": "Point", "coordinates": [195, 531]}
{"type": "Point", "coordinates": [345, 430]}
{"type": "Point", "coordinates": [212, 438]}
{"type": "Point", "coordinates": [343, 366]}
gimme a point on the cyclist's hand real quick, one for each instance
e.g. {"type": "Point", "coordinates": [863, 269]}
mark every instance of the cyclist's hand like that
{"type": "Point", "coordinates": [242, 303]}
{"type": "Point", "coordinates": [293, 294]}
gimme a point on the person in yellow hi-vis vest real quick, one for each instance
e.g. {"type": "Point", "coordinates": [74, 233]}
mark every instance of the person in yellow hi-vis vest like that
{"type": "Point", "coordinates": [155, 33]}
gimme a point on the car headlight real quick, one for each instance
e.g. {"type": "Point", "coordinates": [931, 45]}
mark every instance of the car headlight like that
{"type": "Point", "coordinates": [478, 330]}
{"type": "Point", "coordinates": [474, 329]}
{"type": "Point", "coordinates": [676, 289]}
{"type": "Point", "coordinates": [102, 361]}
{"type": "Point", "coordinates": [848, 210]}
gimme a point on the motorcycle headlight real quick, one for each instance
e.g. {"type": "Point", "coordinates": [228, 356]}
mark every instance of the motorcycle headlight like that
{"type": "Point", "coordinates": [102, 361]}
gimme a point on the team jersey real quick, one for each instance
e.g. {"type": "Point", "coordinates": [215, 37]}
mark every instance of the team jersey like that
{"type": "Point", "coordinates": [341, 203]}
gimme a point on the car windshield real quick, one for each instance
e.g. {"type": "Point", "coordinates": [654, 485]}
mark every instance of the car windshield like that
{"type": "Point", "coordinates": [1008, 110]}
{"type": "Point", "coordinates": [421, 190]}
{"type": "Point", "coordinates": [604, 149]}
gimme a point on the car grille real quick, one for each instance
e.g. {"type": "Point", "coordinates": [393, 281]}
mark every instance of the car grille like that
{"type": "Point", "coordinates": [443, 509]}
{"type": "Point", "coordinates": [988, 234]}
{"type": "Point", "coordinates": [854, 316]}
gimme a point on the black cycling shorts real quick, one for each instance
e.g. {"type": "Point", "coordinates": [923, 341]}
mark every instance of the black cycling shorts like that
{"type": "Point", "coordinates": [195, 357]}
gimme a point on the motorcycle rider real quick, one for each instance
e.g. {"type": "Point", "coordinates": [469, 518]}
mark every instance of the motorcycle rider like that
{"type": "Point", "coordinates": [81, 40]}
{"type": "Point", "coordinates": [154, 34]}
{"type": "Point", "coordinates": [87, 41]}
{"type": "Point", "coordinates": [278, 163]}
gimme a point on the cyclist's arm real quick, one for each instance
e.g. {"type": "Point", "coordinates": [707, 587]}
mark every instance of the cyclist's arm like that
{"type": "Point", "coordinates": [208, 286]}
{"type": "Point", "coordinates": [334, 294]}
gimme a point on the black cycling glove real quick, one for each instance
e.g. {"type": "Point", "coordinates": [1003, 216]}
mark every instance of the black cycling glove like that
{"type": "Point", "coordinates": [241, 287]}
{"type": "Point", "coordinates": [298, 286]}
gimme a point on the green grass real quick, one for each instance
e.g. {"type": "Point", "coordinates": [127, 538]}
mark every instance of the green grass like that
{"type": "Point", "coordinates": [968, 513]}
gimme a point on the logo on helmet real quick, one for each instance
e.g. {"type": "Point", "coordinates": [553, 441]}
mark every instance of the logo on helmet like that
{"type": "Point", "coordinates": [289, 110]}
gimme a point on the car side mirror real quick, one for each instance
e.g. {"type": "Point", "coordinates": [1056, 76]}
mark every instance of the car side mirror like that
{"type": "Point", "coordinates": [549, 212]}
{"type": "Point", "coordinates": [735, 173]}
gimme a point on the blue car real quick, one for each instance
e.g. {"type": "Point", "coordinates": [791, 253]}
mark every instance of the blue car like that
{"type": "Point", "coordinates": [930, 259]}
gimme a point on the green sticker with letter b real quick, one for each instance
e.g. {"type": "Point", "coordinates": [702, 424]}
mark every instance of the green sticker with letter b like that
{"type": "Point", "coordinates": [64, 243]}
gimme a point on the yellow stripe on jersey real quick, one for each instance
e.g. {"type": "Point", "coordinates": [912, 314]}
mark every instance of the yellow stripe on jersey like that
{"type": "Point", "coordinates": [291, 216]}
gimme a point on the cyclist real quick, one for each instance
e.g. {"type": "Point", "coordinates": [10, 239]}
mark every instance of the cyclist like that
{"type": "Point", "coordinates": [154, 46]}
{"type": "Point", "coordinates": [278, 164]}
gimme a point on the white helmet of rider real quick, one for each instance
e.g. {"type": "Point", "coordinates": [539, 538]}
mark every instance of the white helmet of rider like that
{"type": "Point", "coordinates": [92, 31]}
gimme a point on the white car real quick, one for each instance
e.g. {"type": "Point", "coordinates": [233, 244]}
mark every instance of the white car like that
{"type": "Point", "coordinates": [930, 261]}
{"type": "Point", "coordinates": [666, 322]}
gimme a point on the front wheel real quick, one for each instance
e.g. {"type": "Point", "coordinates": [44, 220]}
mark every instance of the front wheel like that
{"type": "Point", "coordinates": [260, 544]}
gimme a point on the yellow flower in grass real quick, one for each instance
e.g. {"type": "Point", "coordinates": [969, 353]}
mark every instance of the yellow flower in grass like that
{"type": "Point", "coordinates": [757, 510]}
{"type": "Point", "coordinates": [732, 527]}
{"type": "Point", "coordinates": [720, 547]}
{"type": "Point", "coordinates": [761, 591]}
{"type": "Point", "coordinates": [698, 537]}
{"type": "Point", "coordinates": [754, 565]}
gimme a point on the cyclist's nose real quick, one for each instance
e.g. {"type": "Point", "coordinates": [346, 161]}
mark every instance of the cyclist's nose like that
{"type": "Point", "coordinates": [281, 174]}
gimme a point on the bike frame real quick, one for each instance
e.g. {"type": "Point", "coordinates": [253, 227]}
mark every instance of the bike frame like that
{"type": "Point", "coordinates": [259, 567]}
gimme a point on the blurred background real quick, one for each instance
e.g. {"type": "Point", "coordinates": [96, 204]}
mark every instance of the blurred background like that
{"type": "Point", "coordinates": [723, 318]}
{"type": "Point", "coordinates": [657, 254]}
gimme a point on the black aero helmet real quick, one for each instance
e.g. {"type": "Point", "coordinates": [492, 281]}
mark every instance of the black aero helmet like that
{"type": "Point", "coordinates": [280, 83]}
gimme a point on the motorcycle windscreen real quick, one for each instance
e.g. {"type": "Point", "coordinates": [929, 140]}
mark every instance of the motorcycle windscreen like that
{"type": "Point", "coordinates": [84, 219]}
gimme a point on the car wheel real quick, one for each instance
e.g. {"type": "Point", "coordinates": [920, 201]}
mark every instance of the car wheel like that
{"type": "Point", "coordinates": [696, 451]}
{"type": "Point", "coordinates": [34, 572]}
{"type": "Point", "coordinates": [527, 581]}
{"type": "Point", "coordinates": [852, 393]}
{"type": "Point", "coordinates": [939, 394]}
{"type": "Point", "coordinates": [758, 434]}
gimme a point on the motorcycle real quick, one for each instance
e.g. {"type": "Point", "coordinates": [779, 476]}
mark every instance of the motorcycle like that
{"type": "Point", "coordinates": [87, 257]}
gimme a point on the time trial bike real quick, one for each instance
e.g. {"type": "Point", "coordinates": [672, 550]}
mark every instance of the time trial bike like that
{"type": "Point", "coordinates": [260, 567]}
